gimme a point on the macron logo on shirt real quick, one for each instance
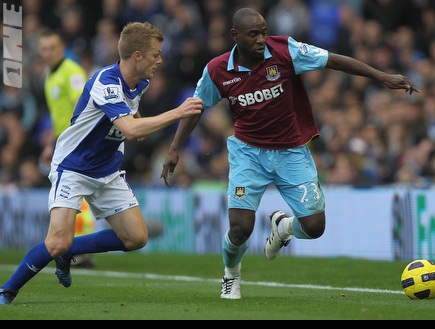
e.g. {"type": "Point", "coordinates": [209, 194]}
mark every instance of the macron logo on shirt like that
{"type": "Point", "coordinates": [111, 93]}
{"type": "Point", "coordinates": [226, 83]}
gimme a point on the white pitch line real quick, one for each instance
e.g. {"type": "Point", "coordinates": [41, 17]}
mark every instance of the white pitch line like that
{"type": "Point", "coordinates": [88, 272]}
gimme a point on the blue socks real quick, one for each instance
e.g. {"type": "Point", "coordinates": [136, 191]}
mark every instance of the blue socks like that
{"type": "Point", "coordinates": [34, 261]}
{"type": "Point", "coordinates": [297, 230]}
{"type": "Point", "coordinates": [98, 242]}
{"type": "Point", "coordinates": [38, 257]}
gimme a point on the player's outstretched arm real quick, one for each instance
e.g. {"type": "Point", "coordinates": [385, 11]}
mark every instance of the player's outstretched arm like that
{"type": "Point", "coordinates": [353, 66]}
{"type": "Point", "coordinates": [134, 128]}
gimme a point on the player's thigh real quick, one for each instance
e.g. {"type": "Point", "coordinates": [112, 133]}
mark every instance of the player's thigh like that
{"type": "Point", "coordinates": [61, 229]}
{"type": "Point", "coordinates": [247, 178]}
{"type": "Point", "coordinates": [129, 226]}
{"type": "Point", "coordinates": [298, 183]}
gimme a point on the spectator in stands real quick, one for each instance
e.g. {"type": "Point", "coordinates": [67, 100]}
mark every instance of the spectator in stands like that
{"type": "Point", "coordinates": [18, 116]}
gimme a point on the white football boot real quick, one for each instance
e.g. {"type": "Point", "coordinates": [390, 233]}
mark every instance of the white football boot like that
{"type": "Point", "coordinates": [274, 243]}
{"type": "Point", "coordinates": [230, 287]}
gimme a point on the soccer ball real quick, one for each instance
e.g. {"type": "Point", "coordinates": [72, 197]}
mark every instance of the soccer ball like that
{"type": "Point", "coordinates": [418, 279]}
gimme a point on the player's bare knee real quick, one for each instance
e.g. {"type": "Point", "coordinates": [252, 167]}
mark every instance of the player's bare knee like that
{"type": "Point", "coordinates": [56, 248]}
{"type": "Point", "coordinates": [313, 226]}
{"type": "Point", "coordinates": [316, 232]}
{"type": "Point", "coordinates": [135, 243]}
{"type": "Point", "coordinates": [239, 235]}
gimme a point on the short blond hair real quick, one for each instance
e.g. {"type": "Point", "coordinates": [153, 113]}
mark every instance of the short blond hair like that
{"type": "Point", "coordinates": [137, 36]}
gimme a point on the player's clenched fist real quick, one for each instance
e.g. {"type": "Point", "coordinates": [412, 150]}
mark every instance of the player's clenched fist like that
{"type": "Point", "coordinates": [191, 106]}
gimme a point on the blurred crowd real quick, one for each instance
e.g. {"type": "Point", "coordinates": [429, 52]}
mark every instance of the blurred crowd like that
{"type": "Point", "coordinates": [371, 136]}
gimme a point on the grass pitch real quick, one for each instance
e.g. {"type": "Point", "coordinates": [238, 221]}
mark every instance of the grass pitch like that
{"type": "Point", "coordinates": [151, 286]}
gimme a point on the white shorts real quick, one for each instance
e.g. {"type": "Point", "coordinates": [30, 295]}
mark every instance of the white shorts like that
{"type": "Point", "coordinates": [106, 196]}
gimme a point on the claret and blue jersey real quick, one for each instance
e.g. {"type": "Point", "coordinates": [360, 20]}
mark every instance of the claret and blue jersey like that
{"type": "Point", "coordinates": [269, 103]}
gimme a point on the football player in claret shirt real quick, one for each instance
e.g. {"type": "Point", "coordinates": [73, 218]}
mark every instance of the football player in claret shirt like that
{"type": "Point", "coordinates": [261, 79]}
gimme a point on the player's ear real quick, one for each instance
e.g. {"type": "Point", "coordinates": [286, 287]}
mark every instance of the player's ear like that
{"type": "Point", "coordinates": [234, 34]}
{"type": "Point", "coordinates": [137, 56]}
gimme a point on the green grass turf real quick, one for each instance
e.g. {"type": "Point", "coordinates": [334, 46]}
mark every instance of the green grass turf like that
{"type": "Point", "coordinates": [187, 287]}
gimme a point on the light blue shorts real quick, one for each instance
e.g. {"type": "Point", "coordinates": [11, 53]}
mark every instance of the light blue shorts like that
{"type": "Point", "coordinates": [106, 196]}
{"type": "Point", "coordinates": [292, 171]}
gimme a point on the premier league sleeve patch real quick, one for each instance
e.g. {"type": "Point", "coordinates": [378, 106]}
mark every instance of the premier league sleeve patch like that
{"type": "Point", "coordinates": [303, 47]}
{"type": "Point", "coordinates": [111, 93]}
